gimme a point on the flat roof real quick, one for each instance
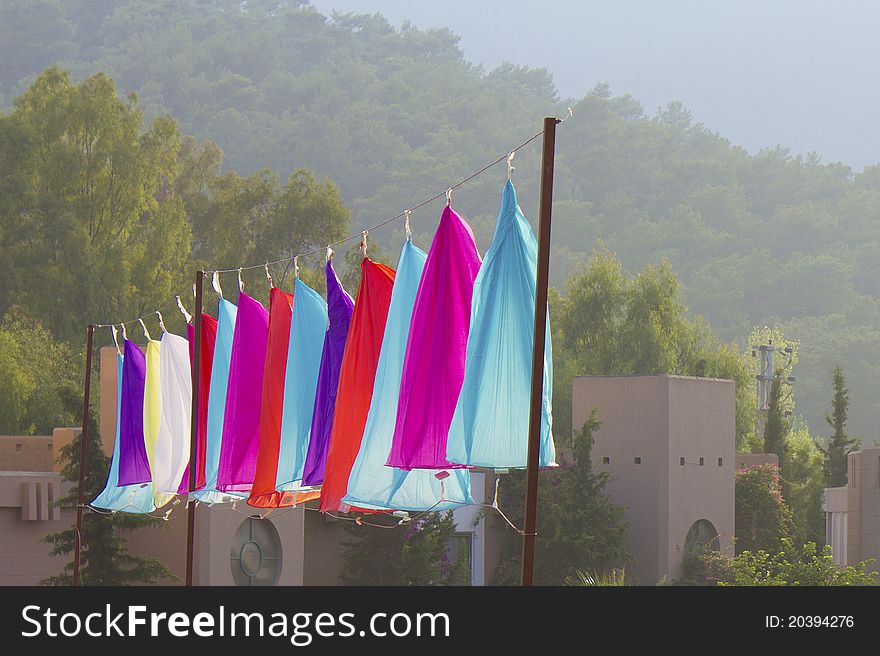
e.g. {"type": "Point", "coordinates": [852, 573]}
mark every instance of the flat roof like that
{"type": "Point", "coordinates": [717, 380]}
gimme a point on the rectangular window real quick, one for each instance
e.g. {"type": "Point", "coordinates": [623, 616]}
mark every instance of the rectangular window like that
{"type": "Point", "coordinates": [18, 447]}
{"type": "Point", "coordinates": [637, 460]}
{"type": "Point", "coordinates": [720, 462]}
{"type": "Point", "coordinates": [681, 461]}
{"type": "Point", "coordinates": [701, 462]}
{"type": "Point", "coordinates": [606, 460]}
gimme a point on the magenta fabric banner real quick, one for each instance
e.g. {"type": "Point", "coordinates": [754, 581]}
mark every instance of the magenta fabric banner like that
{"type": "Point", "coordinates": [433, 367]}
{"type": "Point", "coordinates": [244, 397]}
{"type": "Point", "coordinates": [133, 464]}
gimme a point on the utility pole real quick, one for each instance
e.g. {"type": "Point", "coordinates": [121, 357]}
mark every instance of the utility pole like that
{"type": "Point", "coordinates": [765, 379]}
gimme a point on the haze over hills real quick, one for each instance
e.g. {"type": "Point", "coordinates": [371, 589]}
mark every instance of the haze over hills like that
{"type": "Point", "coordinates": [791, 72]}
{"type": "Point", "coordinates": [395, 115]}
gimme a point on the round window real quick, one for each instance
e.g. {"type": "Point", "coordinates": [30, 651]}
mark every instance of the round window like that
{"type": "Point", "coordinates": [255, 557]}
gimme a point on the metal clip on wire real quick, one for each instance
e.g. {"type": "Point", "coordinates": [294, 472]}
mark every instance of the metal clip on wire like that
{"type": "Point", "coordinates": [407, 214]}
{"type": "Point", "coordinates": [364, 244]}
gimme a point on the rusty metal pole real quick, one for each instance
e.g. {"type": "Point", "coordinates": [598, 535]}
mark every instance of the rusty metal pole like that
{"type": "Point", "coordinates": [83, 440]}
{"type": "Point", "coordinates": [194, 428]}
{"type": "Point", "coordinates": [546, 206]}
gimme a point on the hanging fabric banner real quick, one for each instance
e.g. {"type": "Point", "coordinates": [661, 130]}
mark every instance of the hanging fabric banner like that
{"type": "Point", "coordinates": [263, 494]}
{"type": "Point", "coordinates": [226, 314]}
{"type": "Point", "coordinates": [136, 499]}
{"type": "Point", "coordinates": [134, 465]}
{"type": "Point", "coordinates": [307, 330]}
{"type": "Point", "coordinates": [206, 364]}
{"type": "Point", "coordinates": [241, 421]}
{"type": "Point", "coordinates": [356, 379]}
{"type": "Point", "coordinates": [171, 454]}
{"type": "Point", "coordinates": [433, 369]}
{"type": "Point", "coordinates": [339, 306]}
{"type": "Point", "coordinates": [490, 427]}
{"type": "Point", "coordinates": [372, 484]}
{"type": "Point", "coordinates": [152, 399]}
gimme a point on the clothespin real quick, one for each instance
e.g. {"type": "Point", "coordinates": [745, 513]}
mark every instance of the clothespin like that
{"type": "Point", "coordinates": [449, 197]}
{"type": "Point", "coordinates": [161, 322]}
{"type": "Point", "coordinates": [329, 253]}
{"type": "Point", "coordinates": [215, 283]}
{"type": "Point", "coordinates": [407, 214]}
{"type": "Point", "coordinates": [268, 275]}
{"type": "Point", "coordinates": [364, 244]}
{"type": "Point", "coordinates": [240, 283]}
{"type": "Point", "coordinates": [146, 332]}
{"type": "Point", "coordinates": [186, 315]}
{"type": "Point", "coordinates": [115, 340]}
{"type": "Point", "coordinates": [124, 334]}
{"type": "Point", "coordinates": [510, 167]}
{"type": "Point", "coordinates": [296, 266]}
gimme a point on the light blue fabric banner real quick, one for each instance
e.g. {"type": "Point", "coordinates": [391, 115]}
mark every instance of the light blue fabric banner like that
{"type": "Point", "coordinates": [490, 427]}
{"type": "Point", "coordinates": [307, 328]}
{"type": "Point", "coordinates": [372, 484]}
{"type": "Point", "coordinates": [136, 499]}
{"type": "Point", "coordinates": [226, 312]}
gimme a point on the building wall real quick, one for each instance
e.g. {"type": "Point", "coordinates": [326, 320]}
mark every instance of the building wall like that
{"type": "Point", "coordinates": [702, 425]}
{"type": "Point", "coordinates": [26, 516]}
{"type": "Point", "coordinates": [853, 512]}
{"type": "Point", "coordinates": [32, 453]}
{"type": "Point", "coordinates": [107, 397]}
{"type": "Point", "coordinates": [659, 420]}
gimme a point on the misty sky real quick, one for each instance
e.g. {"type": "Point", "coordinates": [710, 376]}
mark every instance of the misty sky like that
{"type": "Point", "coordinates": [801, 73]}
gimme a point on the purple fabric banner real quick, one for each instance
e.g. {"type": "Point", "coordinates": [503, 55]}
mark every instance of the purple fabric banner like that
{"type": "Point", "coordinates": [340, 307]}
{"type": "Point", "coordinates": [244, 397]}
{"type": "Point", "coordinates": [134, 467]}
{"type": "Point", "coordinates": [433, 367]}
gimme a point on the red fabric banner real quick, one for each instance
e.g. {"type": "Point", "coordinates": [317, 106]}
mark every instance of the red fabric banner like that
{"type": "Point", "coordinates": [356, 379]}
{"type": "Point", "coordinates": [263, 494]}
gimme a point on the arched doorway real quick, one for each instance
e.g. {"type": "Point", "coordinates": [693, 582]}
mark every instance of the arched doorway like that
{"type": "Point", "coordinates": [701, 534]}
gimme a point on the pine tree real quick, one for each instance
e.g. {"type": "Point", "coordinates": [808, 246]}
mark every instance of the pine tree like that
{"type": "Point", "coordinates": [839, 445]}
{"type": "Point", "coordinates": [777, 426]}
{"type": "Point", "coordinates": [104, 555]}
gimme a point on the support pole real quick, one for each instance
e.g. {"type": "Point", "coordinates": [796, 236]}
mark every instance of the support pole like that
{"type": "Point", "coordinates": [546, 206]}
{"type": "Point", "coordinates": [194, 428]}
{"type": "Point", "coordinates": [83, 441]}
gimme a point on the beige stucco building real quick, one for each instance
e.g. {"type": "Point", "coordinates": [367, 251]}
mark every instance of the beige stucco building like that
{"type": "Point", "coordinates": [852, 519]}
{"type": "Point", "coordinates": [669, 444]}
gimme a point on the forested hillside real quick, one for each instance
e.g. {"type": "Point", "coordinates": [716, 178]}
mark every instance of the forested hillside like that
{"type": "Point", "coordinates": [393, 116]}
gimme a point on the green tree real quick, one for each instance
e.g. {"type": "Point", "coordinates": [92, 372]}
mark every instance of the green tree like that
{"type": "Point", "coordinates": [805, 485]}
{"type": "Point", "coordinates": [839, 445]}
{"type": "Point", "coordinates": [414, 553]}
{"type": "Point", "coordinates": [34, 369]}
{"type": "Point", "coordinates": [93, 227]}
{"type": "Point", "coordinates": [805, 565]}
{"type": "Point", "coordinates": [579, 527]}
{"type": "Point", "coordinates": [104, 555]}
{"type": "Point", "coordinates": [777, 425]}
{"type": "Point", "coordinates": [763, 518]}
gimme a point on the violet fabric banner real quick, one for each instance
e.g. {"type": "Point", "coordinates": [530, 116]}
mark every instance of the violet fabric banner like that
{"type": "Point", "coordinates": [244, 396]}
{"type": "Point", "coordinates": [135, 499]}
{"type": "Point", "coordinates": [134, 466]}
{"type": "Point", "coordinates": [339, 307]}
{"type": "Point", "coordinates": [490, 427]}
{"type": "Point", "coordinates": [433, 368]}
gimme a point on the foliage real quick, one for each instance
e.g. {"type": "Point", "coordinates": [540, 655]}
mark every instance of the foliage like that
{"type": "Point", "coordinates": [804, 485]}
{"type": "Point", "coordinates": [104, 555]}
{"type": "Point", "coordinates": [777, 425]}
{"type": "Point", "coordinates": [610, 322]}
{"type": "Point", "coordinates": [763, 518]}
{"type": "Point", "coordinates": [416, 553]}
{"type": "Point", "coordinates": [839, 445]}
{"type": "Point", "coordinates": [579, 527]}
{"type": "Point", "coordinates": [616, 577]}
{"type": "Point", "coordinates": [805, 565]}
{"type": "Point", "coordinates": [34, 368]}
{"type": "Point", "coordinates": [789, 565]}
